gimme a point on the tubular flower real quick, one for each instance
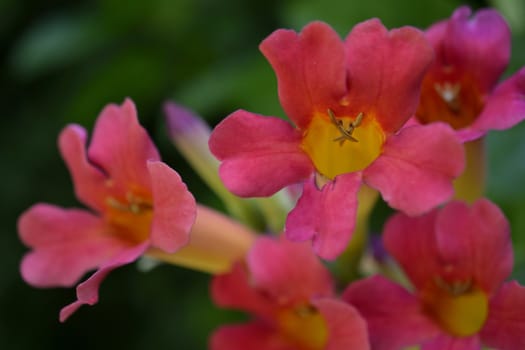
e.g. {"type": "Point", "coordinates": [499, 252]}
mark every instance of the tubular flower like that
{"type": "Point", "coordinates": [291, 293]}
{"type": "Point", "coordinates": [461, 86]}
{"type": "Point", "coordinates": [135, 201]}
{"type": "Point", "coordinates": [457, 259]}
{"type": "Point", "coordinates": [348, 100]}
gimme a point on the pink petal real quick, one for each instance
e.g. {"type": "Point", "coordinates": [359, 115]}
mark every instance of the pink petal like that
{"type": "Point", "coordinates": [252, 336]}
{"type": "Point", "coordinates": [479, 45]}
{"type": "Point", "coordinates": [346, 328]}
{"type": "Point", "coordinates": [445, 342]}
{"type": "Point", "coordinates": [260, 155]}
{"type": "Point", "coordinates": [506, 106]}
{"type": "Point", "coordinates": [411, 239]}
{"type": "Point", "coordinates": [289, 272]}
{"type": "Point", "coordinates": [505, 327]}
{"type": "Point", "coordinates": [386, 71]}
{"type": "Point", "coordinates": [394, 316]}
{"type": "Point", "coordinates": [476, 241]}
{"type": "Point", "coordinates": [174, 208]}
{"type": "Point", "coordinates": [415, 171]}
{"type": "Point", "coordinates": [87, 292]}
{"type": "Point", "coordinates": [121, 147]}
{"type": "Point", "coordinates": [66, 244]}
{"type": "Point", "coordinates": [88, 179]}
{"type": "Point", "coordinates": [234, 290]}
{"type": "Point", "coordinates": [310, 69]}
{"type": "Point", "coordinates": [326, 216]}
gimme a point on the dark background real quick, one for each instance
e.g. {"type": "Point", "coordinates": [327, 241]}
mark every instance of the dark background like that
{"type": "Point", "coordinates": [62, 61]}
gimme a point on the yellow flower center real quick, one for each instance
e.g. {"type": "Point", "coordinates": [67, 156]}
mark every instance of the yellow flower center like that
{"type": "Point", "coordinates": [131, 217]}
{"type": "Point", "coordinates": [460, 308]}
{"type": "Point", "coordinates": [339, 145]}
{"type": "Point", "coordinates": [305, 326]}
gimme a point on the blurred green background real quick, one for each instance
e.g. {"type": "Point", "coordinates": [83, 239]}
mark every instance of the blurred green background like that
{"type": "Point", "coordinates": [62, 61]}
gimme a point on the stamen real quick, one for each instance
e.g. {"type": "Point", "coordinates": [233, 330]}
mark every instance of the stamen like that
{"type": "Point", "coordinates": [134, 204]}
{"type": "Point", "coordinates": [449, 93]}
{"type": "Point", "coordinates": [346, 134]}
{"type": "Point", "coordinates": [456, 288]}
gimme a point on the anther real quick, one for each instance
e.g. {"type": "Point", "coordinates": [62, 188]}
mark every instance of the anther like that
{"type": "Point", "coordinates": [346, 134]}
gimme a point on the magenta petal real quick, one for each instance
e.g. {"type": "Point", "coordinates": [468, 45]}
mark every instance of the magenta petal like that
{"type": "Point", "coordinates": [260, 155]}
{"type": "Point", "coordinates": [66, 244]}
{"type": "Point", "coordinates": [446, 342]}
{"type": "Point", "coordinates": [251, 336]}
{"type": "Point", "coordinates": [415, 171]}
{"type": "Point", "coordinates": [310, 69]}
{"type": "Point", "coordinates": [288, 271]}
{"type": "Point", "coordinates": [121, 147]}
{"type": "Point", "coordinates": [346, 328]}
{"type": "Point", "coordinates": [479, 45]}
{"type": "Point", "coordinates": [89, 181]}
{"type": "Point", "coordinates": [174, 208]}
{"type": "Point", "coordinates": [505, 327]}
{"type": "Point", "coordinates": [476, 241]}
{"type": "Point", "coordinates": [394, 316]}
{"type": "Point", "coordinates": [389, 75]}
{"type": "Point", "coordinates": [326, 216]}
{"type": "Point", "coordinates": [87, 292]}
{"type": "Point", "coordinates": [506, 105]}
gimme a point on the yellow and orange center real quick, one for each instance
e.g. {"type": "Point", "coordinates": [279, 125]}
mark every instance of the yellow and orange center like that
{"type": "Point", "coordinates": [342, 144]}
{"type": "Point", "coordinates": [459, 307]}
{"type": "Point", "coordinates": [130, 216]}
{"type": "Point", "coordinates": [447, 97]}
{"type": "Point", "coordinates": [304, 326]}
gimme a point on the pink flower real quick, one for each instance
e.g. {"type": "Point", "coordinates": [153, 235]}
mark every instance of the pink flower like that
{"type": "Point", "coordinates": [291, 294]}
{"type": "Point", "coordinates": [135, 202]}
{"type": "Point", "coordinates": [457, 259]}
{"type": "Point", "coordinates": [348, 100]}
{"type": "Point", "coordinates": [460, 88]}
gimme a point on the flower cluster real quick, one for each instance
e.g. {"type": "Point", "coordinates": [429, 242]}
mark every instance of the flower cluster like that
{"type": "Point", "coordinates": [399, 114]}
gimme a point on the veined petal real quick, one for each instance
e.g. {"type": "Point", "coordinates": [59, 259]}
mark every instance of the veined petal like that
{"type": "Point", "coordinates": [476, 241]}
{"type": "Point", "coordinates": [415, 171]}
{"type": "Point", "coordinates": [386, 71]}
{"type": "Point", "coordinates": [326, 216]}
{"type": "Point", "coordinates": [394, 317]}
{"type": "Point", "coordinates": [260, 155]}
{"type": "Point", "coordinates": [505, 326]}
{"type": "Point", "coordinates": [121, 148]}
{"type": "Point", "coordinates": [87, 292]}
{"type": "Point", "coordinates": [253, 336]}
{"type": "Point", "coordinates": [446, 342]}
{"type": "Point", "coordinates": [288, 271]}
{"type": "Point", "coordinates": [174, 208]}
{"type": "Point", "coordinates": [310, 69]}
{"type": "Point", "coordinates": [66, 244]}
{"type": "Point", "coordinates": [346, 328]}
{"type": "Point", "coordinates": [506, 106]}
{"type": "Point", "coordinates": [479, 45]}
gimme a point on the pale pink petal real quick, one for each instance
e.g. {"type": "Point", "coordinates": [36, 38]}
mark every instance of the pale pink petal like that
{"type": "Point", "coordinates": [446, 342]}
{"type": "Point", "coordinates": [87, 292]}
{"type": "Point", "coordinates": [394, 317]}
{"type": "Point", "coordinates": [234, 290]}
{"type": "Point", "coordinates": [289, 272]}
{"type": "Point", "coordinates": [88, 179]}
{"type": "Point", "coordinates": [476, 242]}
{"type": "Point", "coordinates": [505, 327]}
{"type": "Point", "coordinates": [411, 239]}
{"type": "Point", "coordinates": [326, 216]}
{"type": "Point", "coordinates": [479, 45]}
{"type": "Point", "coordinates": [386, 71]}
{"type": "Point", "coordinates": [415, 171]}
{"type": "Point", "coordinates": [66, 244]}
{"type": "Point", "coordinates": [260, 155]}
{"type": "Point", "coordinates": [121, 147]}
{"type": "Point", "coordinates": [174, 208]}
{"type": "Point", "coordinates": [506, 105]}
{"type": "Point", "coordinates": [310, 69]}
{"type": "Point", "coordinates": [251, 336]}
{"type": "Point", "coordinates": [346, 328]}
